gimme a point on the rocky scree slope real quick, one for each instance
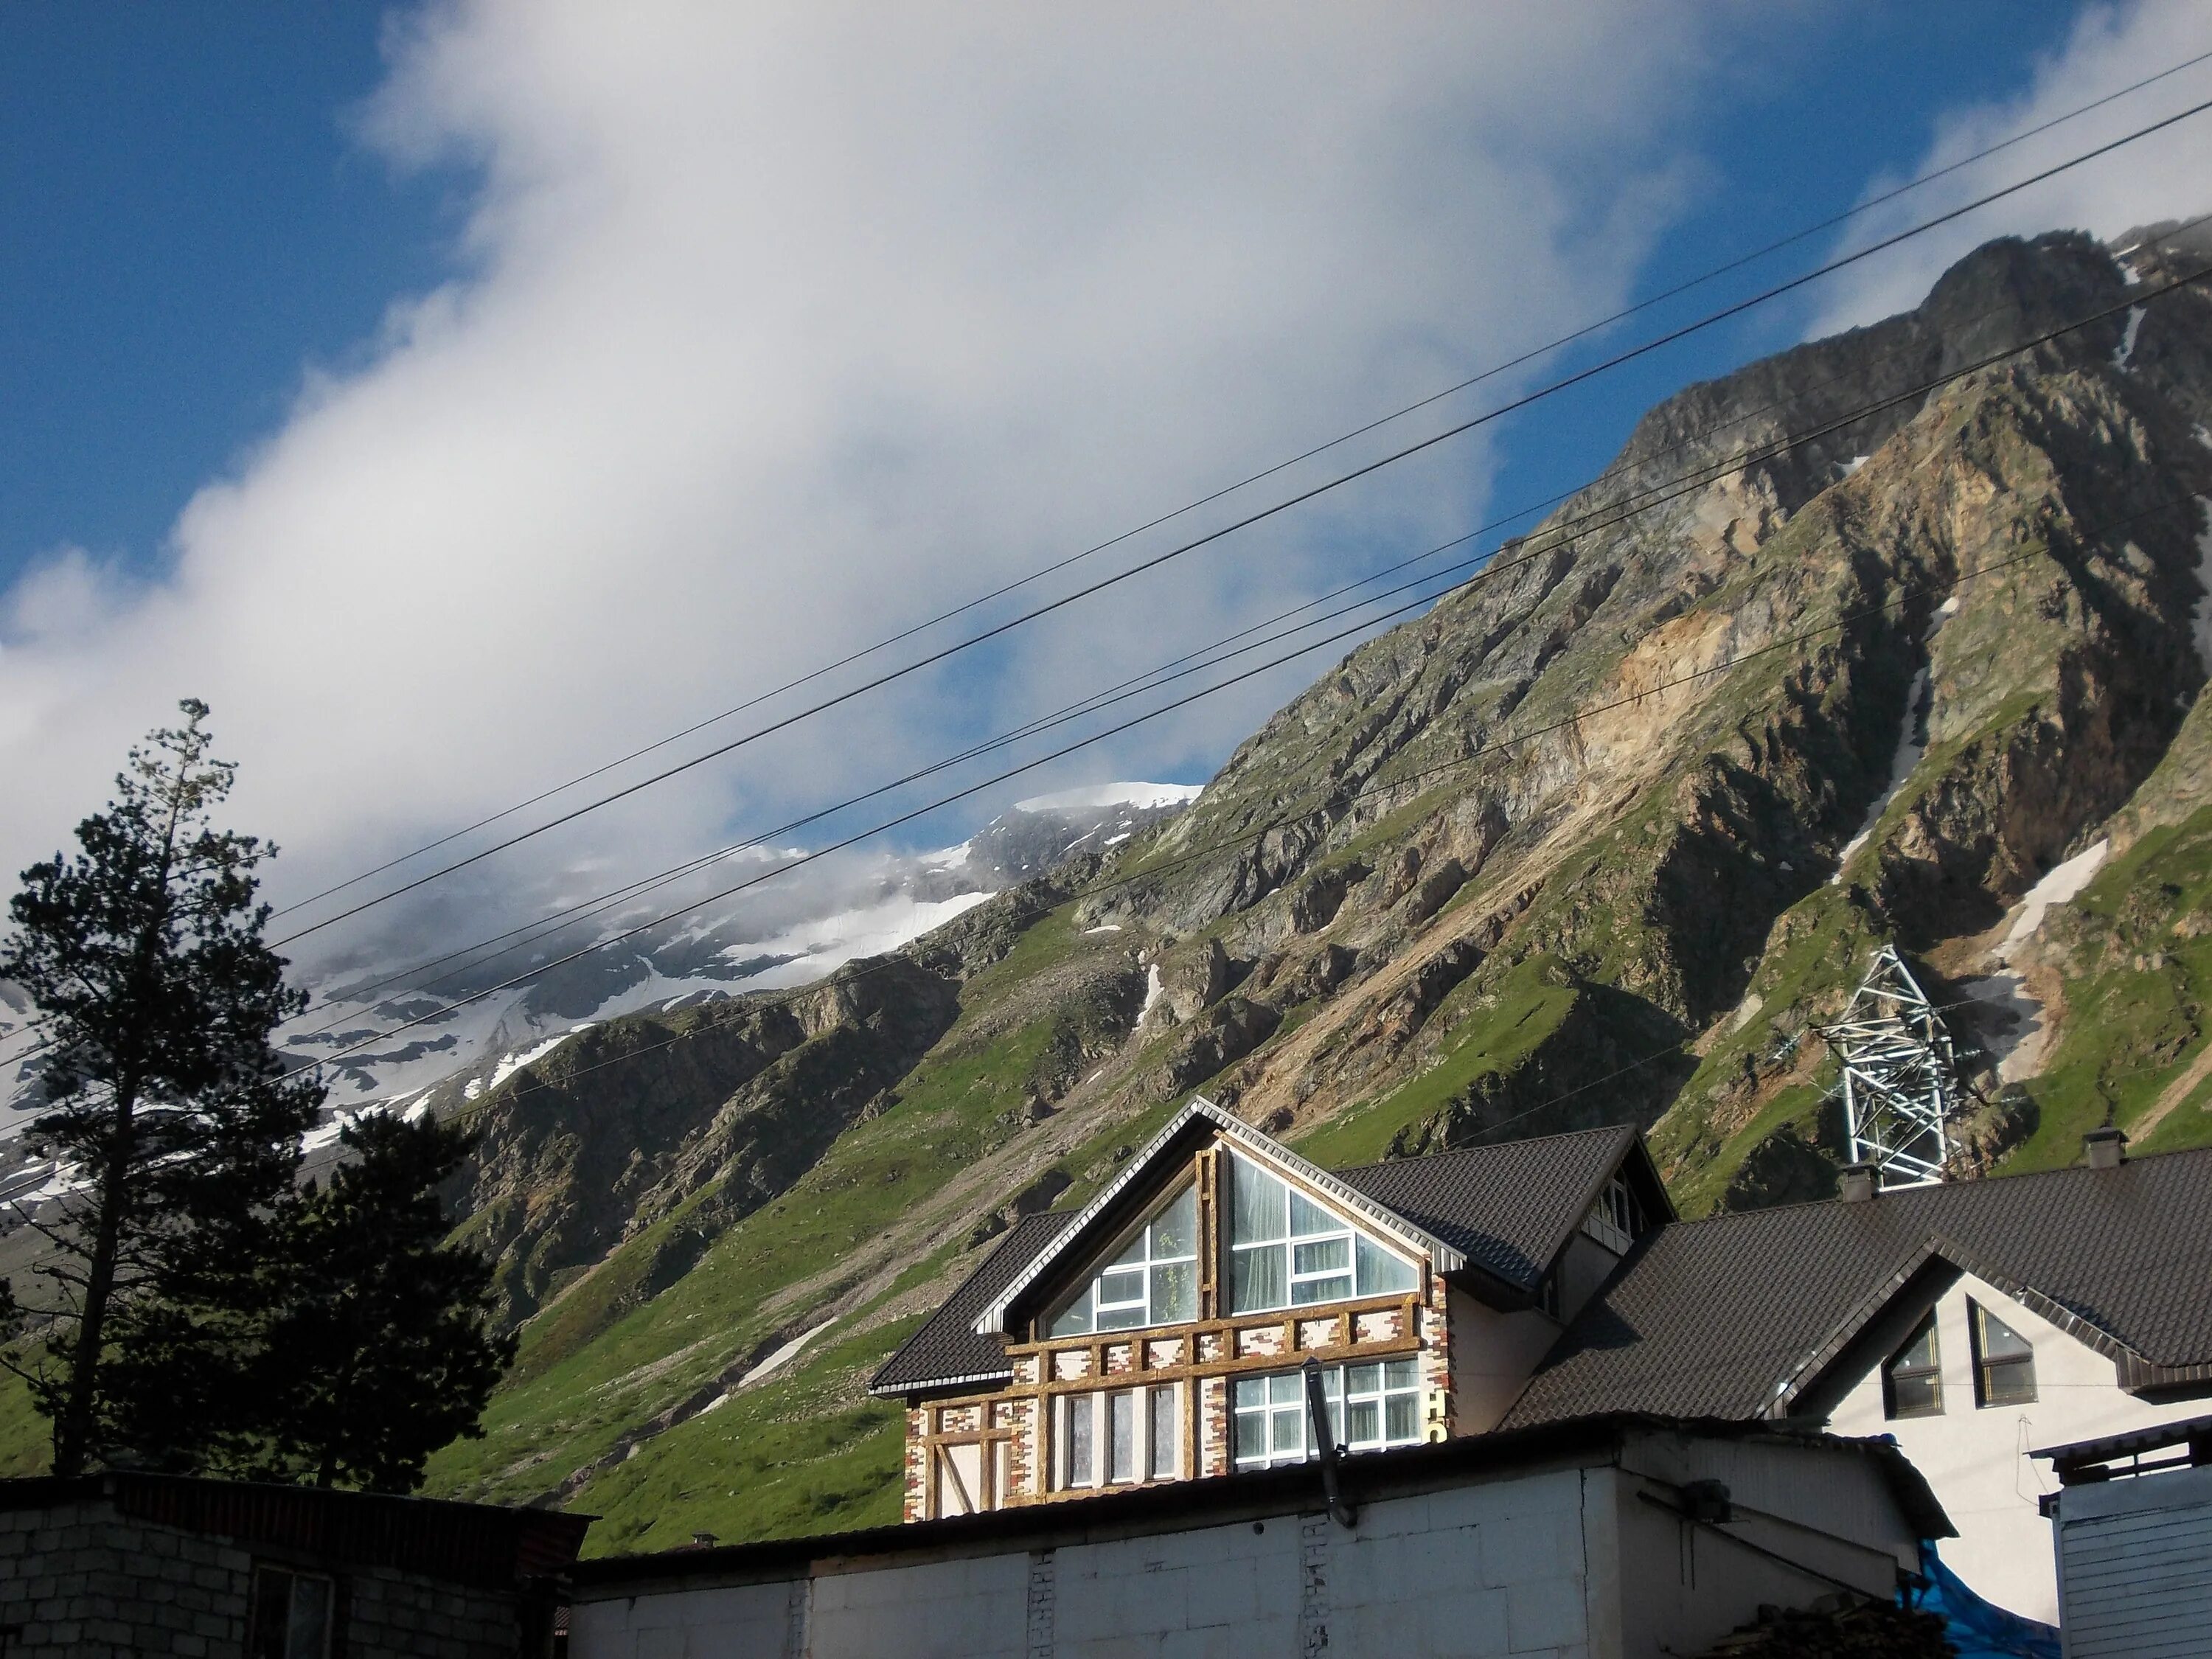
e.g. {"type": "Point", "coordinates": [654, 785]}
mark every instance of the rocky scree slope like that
{"type": "Point", "coordinates": [1595, 840]}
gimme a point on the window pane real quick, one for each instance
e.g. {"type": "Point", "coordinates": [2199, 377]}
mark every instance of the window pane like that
{"type": "Point", "coordinates": [1075, 1318]}
{"type": "Point", "coordinates": [1122, 1437]}
{"type": "Point", "coordinates": [2000, 1340]}
{"type": "Point", "coordinates": [1256, 1200]}
{"type": "Point", "coordinates": [1914, 1396]}
{"type": "Point", "coordinates": [1364, 1379]}
{"type": "Point", "coordinates": [1401, 1419]}
{"type": "Point", "coordinates": [1259, 1279]}
{"type": "Point", "coordinates": [1322, 1290]}
{"type": "Point", "coordinates": [1124, 1285]}
{"type": "Point", "coordinates": [1920, 1352]}
{"type": "Point", "coordinates": [1122, 1319]}
{"type": "Point", "coordinates": [2008, 1382]}
{"type": "Point", "coordinates": [1163, 1427]}
{"type": "Point", "coordinates": [1366, 1422]}
{"type": "Point", "coordinates": [1251, 1393]}
{"type": "Point", "coordinates": [1289, 1432]}
{"type": "Point", "coordinates": [1175, 1230]}
{"type": "Point", "coordinates": [1287, 1389]}
{"type": "Point", "coordinates": [272, 1613]}
{"type": "Point", "coordinates": [1251, 1436]}
{"type": "Point", "coordinates": [1401, 1373]}
{"type": "Point", "coordinates": [1082, 1439]}
{"type": "Point", "coordinates": [309, 1637]}
{"type": "Point", "coordinates": [1380, 1270]}
{"type": "Point", "coordinates": [1175, 1292]}
{"type": "Point", "coordinates": [1324, 1256]}
{"type": "Point", "coordinates": [1308, 1218]}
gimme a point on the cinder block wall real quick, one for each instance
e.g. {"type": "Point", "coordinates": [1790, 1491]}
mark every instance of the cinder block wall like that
{"type": "Point", "coordinates": [80, 1581]}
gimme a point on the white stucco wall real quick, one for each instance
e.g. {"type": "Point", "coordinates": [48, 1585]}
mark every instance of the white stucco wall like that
{"type": "Point", "coordinates": [1493, 1355]}
{"type": "Point", "coordinates": [1564, 1563]}
{"type": "Point", "coordinates": [1975, 1458]}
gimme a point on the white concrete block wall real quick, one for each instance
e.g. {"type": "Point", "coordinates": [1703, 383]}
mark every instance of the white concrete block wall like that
{"type": "Point", "coordinates": [1561, 1563]}
{"type": "Point", "coordinates": [975, 1608]}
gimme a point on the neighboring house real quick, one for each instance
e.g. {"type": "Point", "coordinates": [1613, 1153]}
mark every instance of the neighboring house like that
{"type": "Point", "coordinates": [1153, 1336]}
{"type": "Point", "coordinates": [1608, 1538]}
{"type": "Point", "coordinates": [2133, 1526]}
{"type": "Point", "coordinates": [1971, 1322]}
{"type": "Point", "coordinates": [1157, 1333]}
{"type": "Point", "coordinates": [103, 1566]}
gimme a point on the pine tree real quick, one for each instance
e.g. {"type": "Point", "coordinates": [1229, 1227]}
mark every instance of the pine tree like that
{"type": "Point", "coordinates": [164, 1097]}
{"type": "Point", "coordinates": [379, 1347]}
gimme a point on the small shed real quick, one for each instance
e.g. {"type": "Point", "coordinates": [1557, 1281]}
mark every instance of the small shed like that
{"type": "Point", "coordinates": [2132, 1525]}
{"type": "Point", "coordinates": [104, 1565]}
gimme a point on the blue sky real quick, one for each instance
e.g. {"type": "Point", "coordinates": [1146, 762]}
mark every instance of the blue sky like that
{"type": "Point", "coordinates": [194, 222]}
{"type": "Point", "coordinates": [457, 396]}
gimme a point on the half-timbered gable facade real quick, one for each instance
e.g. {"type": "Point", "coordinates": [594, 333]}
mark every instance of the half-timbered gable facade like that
{"type": "Point", "coordinates": [1160, 1333]}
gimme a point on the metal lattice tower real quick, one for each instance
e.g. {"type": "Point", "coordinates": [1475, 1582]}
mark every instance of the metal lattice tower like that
{"type": "Point", "coordinates": [1900, 1083]}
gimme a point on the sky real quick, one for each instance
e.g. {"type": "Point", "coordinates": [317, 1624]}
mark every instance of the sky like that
{"type": "Point", "coordinates": [460, 396]}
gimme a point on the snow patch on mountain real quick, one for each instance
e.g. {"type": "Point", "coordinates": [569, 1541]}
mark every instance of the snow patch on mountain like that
{"type": "Point", "coordinates": [1145, 796]}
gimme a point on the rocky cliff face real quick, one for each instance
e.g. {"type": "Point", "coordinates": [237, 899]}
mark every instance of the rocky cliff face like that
{"type": "Point", "coordinates": [1861, 643]}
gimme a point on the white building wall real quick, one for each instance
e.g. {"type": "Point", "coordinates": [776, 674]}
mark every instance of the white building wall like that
{"type": "Point", "coordinates": [1493, 1355]}
{"type": "Point", "coordinates": [1975, 1458]}
{"type": "Point", "coordinates": [1565, 1564]}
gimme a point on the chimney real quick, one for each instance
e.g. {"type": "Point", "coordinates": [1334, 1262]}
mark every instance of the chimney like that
{"type": "Point", "coordinates": [2106, 1148]}
{"type": "Point", "coordinates": [1855, 1182]}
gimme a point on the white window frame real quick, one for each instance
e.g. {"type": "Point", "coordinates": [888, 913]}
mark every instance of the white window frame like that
{"type": "Point", "coordinates": [1138, 1243]}
{"type": "Point", "coordinates": [1094, 1407]}
{"type": "Point", "coordinates": [1289, 1244]}
{"type": "Point", "coordinates": [1614, 1218]}
{"type": "Point", "coordinates": [1335, 1381]}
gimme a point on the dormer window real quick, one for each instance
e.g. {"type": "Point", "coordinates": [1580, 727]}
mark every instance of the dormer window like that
{"type": "Point", "coordinates": [1153, 1281]}
{"type": "Point", "coordinates": [1616, 1218]}
{"type": "Point", "coordinates": [1286, 1251]}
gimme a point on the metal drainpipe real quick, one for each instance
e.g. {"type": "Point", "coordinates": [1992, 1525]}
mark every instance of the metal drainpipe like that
{"type": "Point", "coordinates": [1317, 1426]}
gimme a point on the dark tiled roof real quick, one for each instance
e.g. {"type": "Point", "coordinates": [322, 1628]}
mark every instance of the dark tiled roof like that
{"type": "Point", "coordinates": [1709, 1316]}
{"type": "Point", "coordinates": [1510, 1206]}
{"type": "Point", "coordinates": [947, 1348]}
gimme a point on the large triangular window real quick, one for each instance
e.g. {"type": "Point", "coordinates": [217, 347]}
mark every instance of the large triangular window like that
{"type": "Point", "coordinates": [1286, 1251]}
{"type": "Point", "coordinates": [1152, 1280]}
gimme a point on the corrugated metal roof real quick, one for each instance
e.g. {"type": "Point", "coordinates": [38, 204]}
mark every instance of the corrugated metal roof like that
{"type": "Point", "coordinates": [1713, 1318]}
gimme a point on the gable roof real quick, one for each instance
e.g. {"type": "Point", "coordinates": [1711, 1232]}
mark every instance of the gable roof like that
{"type": "Point", "coordinates": [1509, 1208]}
{"type": "Point", "coordinates": [1737, 1315]}
{"type": "Point", "coordinates": [1112, 1206]}
{"type": "Point", "coordinates": [947, 1349]}
{"type": "Point", "coordinates": [1506, 1209]}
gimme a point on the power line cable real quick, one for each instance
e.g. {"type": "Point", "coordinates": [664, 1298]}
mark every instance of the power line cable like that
{"type": "Point", "coordinates": [1582, 333]}
{"type": "Point", "coordinates": [906, 817]}
{"type": "Point", "coordinates": [542, 927]}
{"type": "Point", "coordinates": [1512, 406]}
{"type": "Point", "coordinates": [1555, 538]}
{"type": "Point", "coordinates": [1252, 833]}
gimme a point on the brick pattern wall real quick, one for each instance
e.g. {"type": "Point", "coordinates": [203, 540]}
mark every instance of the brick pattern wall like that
{"type": "Point", "coordinates": [79, 1580]}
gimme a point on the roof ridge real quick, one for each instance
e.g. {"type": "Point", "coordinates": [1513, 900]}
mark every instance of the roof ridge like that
{"type": "Point", "coordinates": [1975, 1183]}
{"type": "Point", "coordinates": [1469, 1152]}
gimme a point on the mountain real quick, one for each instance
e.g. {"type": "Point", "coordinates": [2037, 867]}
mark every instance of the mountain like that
{"type": "Point", "coordinates": [1899, 635]}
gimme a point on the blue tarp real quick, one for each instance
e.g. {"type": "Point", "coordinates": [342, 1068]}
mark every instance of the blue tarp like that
{"type": "Point", "coordinates": [1976, 1628]}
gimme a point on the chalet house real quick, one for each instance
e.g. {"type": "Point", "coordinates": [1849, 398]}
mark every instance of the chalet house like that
{"type": "Point", "coordinates": [1157, 1334]}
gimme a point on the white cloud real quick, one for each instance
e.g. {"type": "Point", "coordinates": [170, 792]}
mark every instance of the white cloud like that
{"type": "Point", "coordinates": [780, 325]}
{"type": "Point", "coordinates": [2168, 175]}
